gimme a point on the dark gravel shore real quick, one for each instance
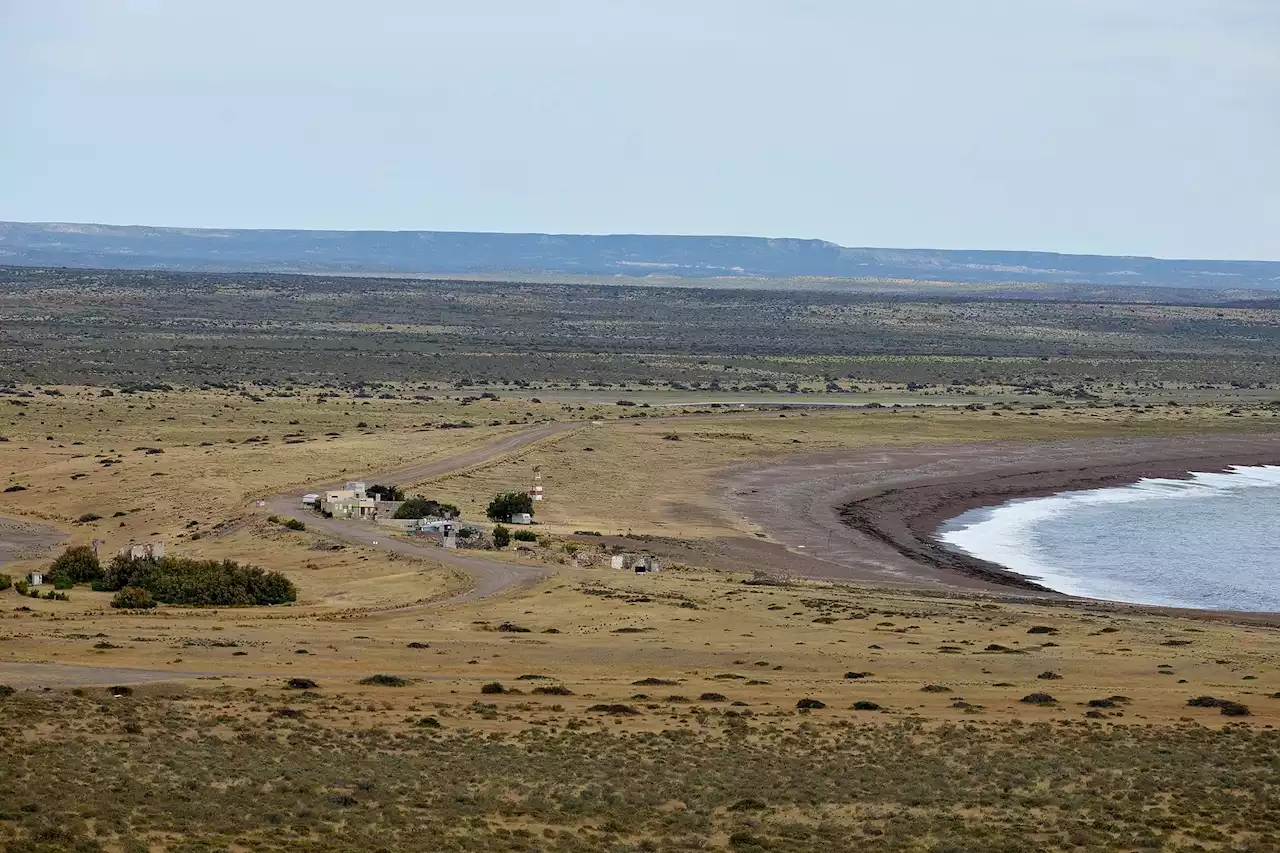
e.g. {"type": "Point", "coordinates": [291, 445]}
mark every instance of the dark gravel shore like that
{"type": "Point", "coordinates": [873, 515]}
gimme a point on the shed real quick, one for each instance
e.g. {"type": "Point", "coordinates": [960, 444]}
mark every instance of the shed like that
{"type": "Point", "coordinates": [35, 578]}
{"type": "Point", "coordinates": [522, 518]}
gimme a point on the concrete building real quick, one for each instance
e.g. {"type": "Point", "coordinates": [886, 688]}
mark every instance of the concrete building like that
{"type": "Point", "coordinates": [638, 563]}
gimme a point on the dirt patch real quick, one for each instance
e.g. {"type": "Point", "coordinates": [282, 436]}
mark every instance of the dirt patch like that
{"type": "Point", "coordinates": [22, 540]}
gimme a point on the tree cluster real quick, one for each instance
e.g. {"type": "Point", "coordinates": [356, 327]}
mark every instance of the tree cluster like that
{"type": "Point", "coordinates": [210, 583]}
{"type": "Point", "coordinates": [77, 564]}
{"type": "Point", "coordinates": [420, 507]}
{"type": "Point", "coordinates": [504, 506]}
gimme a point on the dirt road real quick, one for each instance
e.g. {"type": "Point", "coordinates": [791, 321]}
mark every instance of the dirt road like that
{"type": "Point", "coordinates": [491, 577]}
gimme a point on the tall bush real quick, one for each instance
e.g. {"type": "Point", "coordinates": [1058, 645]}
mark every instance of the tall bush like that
{"type": "Point", "coordinates": [78, 564]}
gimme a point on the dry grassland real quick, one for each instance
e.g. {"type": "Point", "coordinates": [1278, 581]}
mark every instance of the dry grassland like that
{"type": "Point", "coordinates": [631, 713]}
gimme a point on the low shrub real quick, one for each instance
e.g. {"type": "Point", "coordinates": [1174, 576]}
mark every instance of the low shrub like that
{"type": "Point", "coordinates": [294, 524]}
{"type": "Point", "coordinates": [1233, 709]}
{"type": "Point", "coordinates": [5, 582]}
{"type": "Point", "coordinates": [301, 684]}
{"type": "Point", "coordinates": [6, 691]}
{"type": "Point", "coordinates": [133, 598]}
{"type": "Point", "coordinates": [1049, 675]}
{"type": "Point", "coordinates": [1042, 629]}
{"type": "Point", "coordinates": [654, 682]}
{"type": "Point", "coordinates": [935, 688]}
{"type": "Point", "coordinates": [524, 536]}
{"type": "Point", "coordinates": [857, 675]}
{"type": "Point", "coordinates": [88, 517]}
{"type": "Point", "coordinates": [385, 681]}
{"type": "Point", "coordinates": [493, 687]}
{"type": "Point", "coordinates": [713, 697]}
{"type": "Point", "coordinates": [810, 704]}
{"type": "Point", "coordinates": [864, 705]}
{"type": "Point", "coordinates": [1038, 699]}
{"type": "Point", "coordinates": [613, 708]}
{"type": "Point", "coordinates": [553, 690]}
{"type": "Point", "coordinates": [417, 645]}
{"type": "Point", "coordinates": [501, 536]}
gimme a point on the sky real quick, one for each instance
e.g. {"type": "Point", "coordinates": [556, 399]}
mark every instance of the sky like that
{"type": "Point", "coordinates": [1142, 127]}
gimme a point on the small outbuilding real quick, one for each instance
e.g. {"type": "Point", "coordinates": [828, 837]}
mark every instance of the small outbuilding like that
{"type": "Point", "coordinates": [522, 518]}
{"type": "Point", "coordinates": [35, 578]}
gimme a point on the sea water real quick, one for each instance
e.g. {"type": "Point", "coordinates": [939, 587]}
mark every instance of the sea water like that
{"type": "Point", "coordinates": [1209, 541]}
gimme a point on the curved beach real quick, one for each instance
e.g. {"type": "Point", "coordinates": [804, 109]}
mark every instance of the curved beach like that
{"type": "Point", "coordinates": [873, 515]}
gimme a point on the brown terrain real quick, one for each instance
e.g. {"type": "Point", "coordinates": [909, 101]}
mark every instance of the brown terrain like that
{"type": "Point", "coordinates": [808, 664]}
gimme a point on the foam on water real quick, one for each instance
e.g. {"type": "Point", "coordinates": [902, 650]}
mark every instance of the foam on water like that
{"type": "Point", "coordinates": [1212, 540]}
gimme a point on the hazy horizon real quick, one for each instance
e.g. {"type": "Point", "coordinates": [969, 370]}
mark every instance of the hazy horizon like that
{"type": "Point", "coordinates": [1104, 127]}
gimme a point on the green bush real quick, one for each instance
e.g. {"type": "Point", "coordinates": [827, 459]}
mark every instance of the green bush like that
{"type": "Point", "coordinates": [501, 536]}
{"type": "Point", "coordinates": [294, 524]}
{"type": "Point", "coordinates": [525, 536]}
{"type": "Point", "coordinates": [62, 582]}
{"type": "Point", "coordinates": [78, 564]}
{"type": "Point", "coordinates": [420, 507]}
{"type": "Point", "coordinates": [22, 587]}
{"type": "Point", "coordinates": [503, 506]}
{"type": "Point", "coordinates": [5, 582]}
{"type": "Point", "coordinates": [133, 598]}
{"type": "Point", "coordinates": [210, 583]}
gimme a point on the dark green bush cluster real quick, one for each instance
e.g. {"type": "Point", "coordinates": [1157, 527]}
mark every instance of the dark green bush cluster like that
{"type": "Point", "coordinates": [501, 536]}
{"type": "Point", "coordinates": [503, 506]}
{"type": "Point", "coordinates": [421, 507]}
{"type": "Point", "coordinates": [77, 564]}
{"type": "Point", "coordinates": [524, 536]}
{"type": "Point", "coordinates": [178, 580]}
{"type": "Point", "coordinates": [5, 582]}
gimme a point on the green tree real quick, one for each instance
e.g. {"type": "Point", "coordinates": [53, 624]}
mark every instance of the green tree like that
{"type": "Point", "coordinates": [501, 536]}
{"type": "Point", "coordinates": [386, 493]}
{"type": "Point", "coordinates": [502, 507]}
{"type": "Point", "coordinates": [418, 507]}
{"type": "Point", "coordinates": [78, 564]}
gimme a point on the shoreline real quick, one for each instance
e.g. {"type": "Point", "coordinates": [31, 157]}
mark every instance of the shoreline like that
{"type": "Point", "coordinates": [880, 509]}
{"type": "Point", "coordinates": [926, 508]}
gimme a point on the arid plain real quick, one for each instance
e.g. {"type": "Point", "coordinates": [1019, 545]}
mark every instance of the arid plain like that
{"type": "Point", "coordinates": [788, 682]}
{"type": "Point", "coordinates": [711, 656]}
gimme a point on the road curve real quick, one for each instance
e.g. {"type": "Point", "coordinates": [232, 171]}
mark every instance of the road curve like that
{"type": "Point", "coordinates": [491, 577]}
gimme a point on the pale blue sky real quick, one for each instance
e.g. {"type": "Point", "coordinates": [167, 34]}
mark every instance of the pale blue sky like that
{"type": "Point", "coordinates": [1109, 126]}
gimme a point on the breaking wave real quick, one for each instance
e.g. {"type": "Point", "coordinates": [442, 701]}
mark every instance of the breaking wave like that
{"type": "Point", "coordinates": [1208, 541]}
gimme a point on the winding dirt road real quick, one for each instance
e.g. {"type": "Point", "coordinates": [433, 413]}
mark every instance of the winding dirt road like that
{"type": "Point", "coordinates": [491, 577]}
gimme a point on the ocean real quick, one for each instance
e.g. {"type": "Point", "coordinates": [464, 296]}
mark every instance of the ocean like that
{"type": "Point", "coordinates": [1211, 541]}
